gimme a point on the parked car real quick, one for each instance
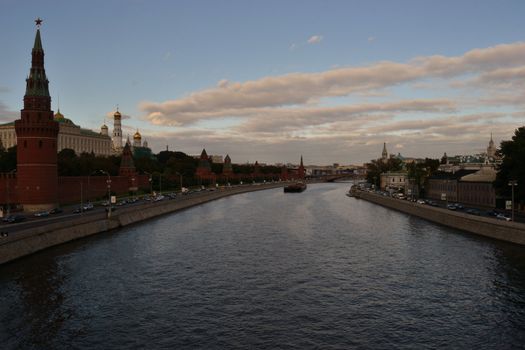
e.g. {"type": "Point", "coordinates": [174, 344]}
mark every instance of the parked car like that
{"type": "Point", "coordinates": [14, 218]}
{"type": "Point", "coordinates": [55, 211]}
{"type": "Point", "coordinates": [113, 208]}
{"type": "Point", "coordinates": [451, 207]}
{"type": "Point", "coordinates": [88, 206]}
{"type": "Point", "coordinates": [421, 201]}
{"type": "Point", "coordinates": [77, 210]}
{"type": "Point", "coordinates": [42, 213]}
{"type": "Point", "coordinates": [502, 217]}
{"type": "Point", "coordinates": [473, 211]}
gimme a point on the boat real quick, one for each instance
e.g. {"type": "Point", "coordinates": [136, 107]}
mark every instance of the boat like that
{"type": "Point", "coordinates": [352, 191]}
{"type": "Point", "coordinates": [296, 187]}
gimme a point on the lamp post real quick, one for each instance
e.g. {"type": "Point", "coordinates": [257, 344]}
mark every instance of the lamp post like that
{"type": "Point", "coordinates": [150, 183]}
{"type": "Point", "coordinates": [180, 179]}
{"type": "Point", "coordinates": [512, 183]}
{"type": "Point", "coordinates": [8, 191]}
{"type": "Point", "coordinates": [108, 182]}
{"type": "Point", "coordinates": [81, 199]}
{"type": "Point", "coordinates": [133, 186]}
{"type": "Point", "coordinates": [160, 184]}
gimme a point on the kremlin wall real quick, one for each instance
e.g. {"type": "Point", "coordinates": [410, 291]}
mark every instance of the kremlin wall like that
{"type": "Point", "coordinates": [36, 184]}
{"type": "Point", "coordinates": [39, 135]}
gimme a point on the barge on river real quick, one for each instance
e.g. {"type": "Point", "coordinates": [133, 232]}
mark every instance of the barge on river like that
{"type": "Point", "coordinates": [297, 187]}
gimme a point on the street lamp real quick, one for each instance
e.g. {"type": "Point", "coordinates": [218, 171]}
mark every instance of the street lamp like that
{"type": "Point", "coordinates": [133, 186]}
{"type": "Point", "coordinates": [8, 191]}
{"type": "Point", "coordinates": [108, 181]}
{"type": "Point", "coordinates": [150, 183]}
{"type": "Point", "coordinates": [512, 183]}
{"type": "Point", "coordinates": [180, 179]}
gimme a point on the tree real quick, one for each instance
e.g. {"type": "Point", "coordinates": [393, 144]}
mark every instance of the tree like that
{"type": "Point", "coordinates": [376, 167]}
{"type": "Point", "coordinates": [8, 159]}
{"type": "Point", "coordinates": [513, 166]}
{"type": "Point", "coordinates": [419, 172]}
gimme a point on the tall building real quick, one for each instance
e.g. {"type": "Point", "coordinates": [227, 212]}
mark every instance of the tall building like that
{"type": "Point", "coordinates": [491, 149]}
{"type": "Point", "coordinates": [384, 154]}
{"type": "Point", "coordinates": [37, 138]}
{"type": "Point", "coordinates": [117, 131]}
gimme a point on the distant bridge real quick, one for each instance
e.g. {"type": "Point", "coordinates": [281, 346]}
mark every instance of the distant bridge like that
{"type": "Point", "coordinates": [340, 177]}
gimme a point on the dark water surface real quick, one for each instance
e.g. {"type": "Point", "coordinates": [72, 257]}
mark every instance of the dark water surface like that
{"type": "Point", "coordinates": [270, 270]}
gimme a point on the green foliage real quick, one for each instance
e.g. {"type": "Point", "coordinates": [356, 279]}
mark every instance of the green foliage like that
{"type": "Point", "coordinates": [421, 171]}
{"type": "Point", "coordinates": [376, 167]}
{"type": "Point", "coordinates": [512, 166]}
{"type": "Point", "coordinates": [69, 164]}
{"type": "Point", "coordinates": [7, 159]}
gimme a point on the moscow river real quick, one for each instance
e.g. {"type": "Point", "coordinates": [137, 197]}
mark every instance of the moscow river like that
{"type": "Point", "coordinates": [268, 270]}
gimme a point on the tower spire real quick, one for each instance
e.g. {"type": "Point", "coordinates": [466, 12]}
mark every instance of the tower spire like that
{"type": "Point", "coordinates": [37, 83]}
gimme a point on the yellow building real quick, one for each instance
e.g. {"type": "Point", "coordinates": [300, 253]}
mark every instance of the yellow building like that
{"type": "Point", "coordinates": [70, 136]}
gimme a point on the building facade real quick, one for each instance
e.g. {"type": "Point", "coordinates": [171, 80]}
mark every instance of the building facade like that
{"type": "Point", "coordinates": [393, 181]}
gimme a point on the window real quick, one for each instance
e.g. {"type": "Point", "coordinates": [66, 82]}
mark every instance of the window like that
{"type": "Point", "coordinates": [39, 143]}
{"type": "Point", "coordinates": [25, 143]}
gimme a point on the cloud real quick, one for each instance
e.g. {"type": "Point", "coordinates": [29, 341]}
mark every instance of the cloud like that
{"type": "Point", "coordinates": [237, 98]}
{"type": "Point", "coordinates": [293, 113]}
{"type": "Point", "coordinates": [4, 89]}
{"type": "Point", "coordinates": [315, 39]}
{"type": "Point", "coordinates": [167, 56]}
{"type": "Point", "coordinates": [371, 38]}
{"type": "Point", "coordinates": [7, 115]}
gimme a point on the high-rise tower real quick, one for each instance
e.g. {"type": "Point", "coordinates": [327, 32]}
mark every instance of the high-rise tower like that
{"type": "Point", "coordinates": [384, 154]}
{"type": "Point", "coordinates": [117, 131]}
{"type": "Point", "coordinates": [37, 134]}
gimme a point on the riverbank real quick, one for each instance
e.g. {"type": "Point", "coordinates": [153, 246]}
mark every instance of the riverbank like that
{"type": "Point", "coordinates": [34, 239]}
{"type": "Point", "coordinates": [487, 227]}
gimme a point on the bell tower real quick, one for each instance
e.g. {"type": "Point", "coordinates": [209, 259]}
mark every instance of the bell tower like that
{"type": "Point", "coordinates": [37, 134]}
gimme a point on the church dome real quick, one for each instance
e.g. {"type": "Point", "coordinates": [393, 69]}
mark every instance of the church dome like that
{"type": "Point", "coordinates": [104, 127]}
{"type": "Point", "coordinates": [137, 136]}
{"type": "Point", "coordinates": [117, 114]}
{"type": "Point", "coordinates": [58, 115]}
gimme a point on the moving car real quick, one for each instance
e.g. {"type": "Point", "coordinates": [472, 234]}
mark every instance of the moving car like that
{"type": "Point", "coordinates": [55, 211]}
{"type": "Point", "coordinates": [502, 217]}
{"type": "Point", "coordinates": [14, 218]}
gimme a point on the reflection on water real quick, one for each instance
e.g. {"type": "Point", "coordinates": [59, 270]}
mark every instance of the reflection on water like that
{"type": "Point", "coordinates": [32, 311]}
{"type": "Point", "coordinates": [270, 270]}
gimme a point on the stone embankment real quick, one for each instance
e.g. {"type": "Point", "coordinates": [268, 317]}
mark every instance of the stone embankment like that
{"type": "Point", "coordinates": [483, 226]}
{"type": "Point", "coordinates": [34, 239]}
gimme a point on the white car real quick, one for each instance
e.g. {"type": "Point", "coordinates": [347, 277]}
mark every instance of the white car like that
{"type": "Point", "coordinates": [502, 217]}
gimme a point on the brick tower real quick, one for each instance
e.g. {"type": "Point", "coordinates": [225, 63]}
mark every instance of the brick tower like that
{"type": "Point", "coordinates": [37, 133]}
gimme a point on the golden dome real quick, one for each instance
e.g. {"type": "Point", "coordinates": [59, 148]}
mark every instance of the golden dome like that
{"type": "Point", "coordinates": [58, 115]}
{"type": "Point", "coordinates": [104, 126]}
{"type": "Point", "coordinates": [137, 136]}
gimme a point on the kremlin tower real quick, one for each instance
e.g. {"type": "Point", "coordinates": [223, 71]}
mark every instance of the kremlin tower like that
{"type": "Point", "coordinates": [37, 134]}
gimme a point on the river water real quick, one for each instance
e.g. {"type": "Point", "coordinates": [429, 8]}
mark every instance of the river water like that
{"type": "Point", "coordinates": [270, 270]}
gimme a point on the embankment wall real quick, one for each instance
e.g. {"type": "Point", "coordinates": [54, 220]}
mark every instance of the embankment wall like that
{"type": "Point", "coordinates": [34, 239]}
{"type": "Point", "coordinates": [488, 227]}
